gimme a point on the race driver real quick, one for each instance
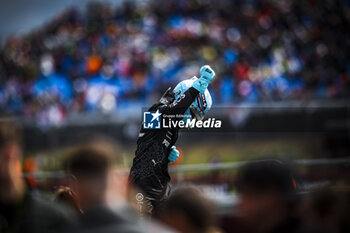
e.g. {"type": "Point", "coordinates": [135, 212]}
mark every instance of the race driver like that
{"type": "Point", "coordinates": [155, 147]}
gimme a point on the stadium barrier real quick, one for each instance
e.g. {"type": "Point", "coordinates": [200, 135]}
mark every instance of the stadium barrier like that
{"type": "Point", "coordinates": [210, 167]}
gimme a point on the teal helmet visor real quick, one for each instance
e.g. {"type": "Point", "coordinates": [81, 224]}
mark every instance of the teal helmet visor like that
{"type": "Point", "coordinates": [200, 106]}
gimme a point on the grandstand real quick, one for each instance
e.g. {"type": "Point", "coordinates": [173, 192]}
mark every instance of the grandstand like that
{"type": "Point", "coordinates": [107, 57]}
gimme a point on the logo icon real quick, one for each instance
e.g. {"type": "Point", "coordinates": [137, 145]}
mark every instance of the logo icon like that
{"type": "Point", "coordinates": [151, 120]}
{"type": "Point", "coordinates": [139, 197]}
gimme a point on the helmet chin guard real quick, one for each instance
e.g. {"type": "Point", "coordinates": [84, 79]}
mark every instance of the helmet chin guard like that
{"type": "Point", "coordinates": [202, 103]}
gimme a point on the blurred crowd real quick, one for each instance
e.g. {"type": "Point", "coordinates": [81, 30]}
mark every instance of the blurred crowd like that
{"type": "Point", "coordinates": [107, 58]}
{"type": "Point", "coordinates": [96, 197]}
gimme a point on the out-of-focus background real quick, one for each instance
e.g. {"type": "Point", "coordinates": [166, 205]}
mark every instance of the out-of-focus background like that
{"type": "Point", "coordinates": [282, 86]}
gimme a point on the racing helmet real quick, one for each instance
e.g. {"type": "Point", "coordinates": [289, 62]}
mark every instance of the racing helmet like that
{"type": "Point", "coordinates": [202, 103]}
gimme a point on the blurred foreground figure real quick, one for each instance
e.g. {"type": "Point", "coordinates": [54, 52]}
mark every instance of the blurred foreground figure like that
{"type": "Point", "coordinates": [327, 210]}
{"type": "Point", "coordinates": [155, 147]}
{"type": "Point", "coordinates": [66, 196]}
{"type": "Point", "coordinates": [267, 193]}
{"type": "Point", "coordinates": [19, 211]}
{"type": "Point", "coordinates": [187, 211]}
{"type": "Point", "coordinates": [89, 168]}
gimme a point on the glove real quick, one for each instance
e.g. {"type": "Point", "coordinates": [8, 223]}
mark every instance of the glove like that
{"type": "Point", "coordinates": [168, 97]}
{"type": "Point", "coordinates": [207, 74]}
{"type": "Point", "coordinates": [173, 155]}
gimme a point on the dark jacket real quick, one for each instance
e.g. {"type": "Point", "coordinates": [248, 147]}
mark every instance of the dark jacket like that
{"type": "Point", "coordinates": [32, 215]}
{"type": "Point", "coordinates": [102, 219]}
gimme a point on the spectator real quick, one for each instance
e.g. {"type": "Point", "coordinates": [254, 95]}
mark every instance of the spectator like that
{"type": "Point", "coordinates": [89, 168]}
{"type": "Point", "coordinates": [187, 211]}
{"type": "Point", "coordinates": [19, 211]}
{"type": "Point", "coordinates": [267, 192]}
{"type": "Point", "coordinates": [327, 210]}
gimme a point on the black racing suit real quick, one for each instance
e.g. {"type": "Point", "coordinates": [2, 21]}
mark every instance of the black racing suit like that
{"type": "Point", "coordinates": [149, 171]}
